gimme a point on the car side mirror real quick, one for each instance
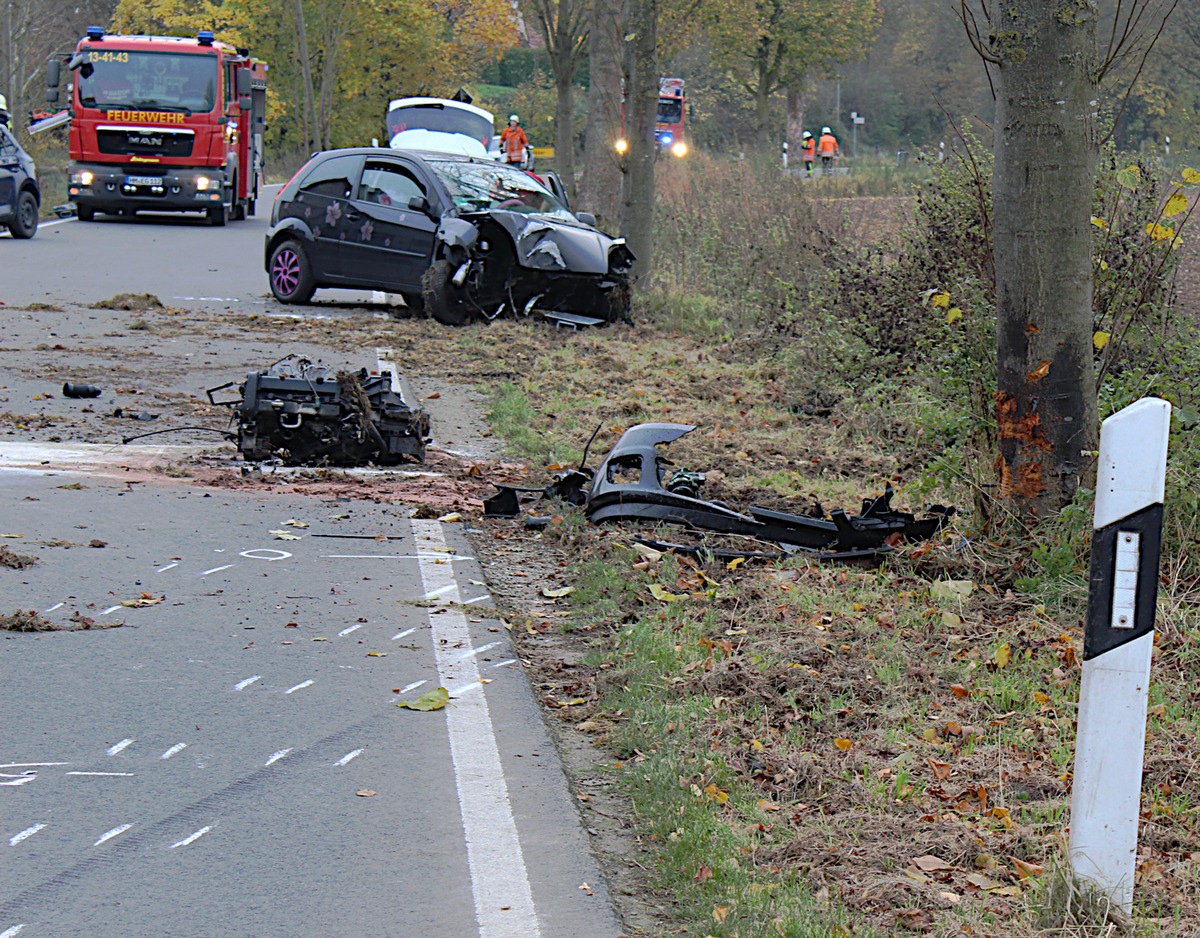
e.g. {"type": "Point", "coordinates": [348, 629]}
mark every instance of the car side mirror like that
{"type": "Point", "coordinates": [419, 204]}
{"type": "Point", "coordinates": [587, 218]}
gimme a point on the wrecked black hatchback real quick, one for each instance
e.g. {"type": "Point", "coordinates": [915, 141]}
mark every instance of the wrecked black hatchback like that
{"type": "Point", "coordinates": [459, 238]}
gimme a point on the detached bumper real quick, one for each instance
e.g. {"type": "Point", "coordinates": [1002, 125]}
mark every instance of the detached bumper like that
{"type": "Point", "coordinates": [107, 188]}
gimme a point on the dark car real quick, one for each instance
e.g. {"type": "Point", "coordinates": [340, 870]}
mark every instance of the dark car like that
{"type": "Point", "coordinates": [459, 237]}
{"type": "Point", "coordinates": [20, 198]}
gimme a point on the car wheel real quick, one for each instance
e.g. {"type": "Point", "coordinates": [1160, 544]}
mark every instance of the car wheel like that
{"type": "Point", "coordinates": [85, 212]}
{"type": "Point", "coordinates": [25, 223]}
{"type": "Point", "coordinates": [442, 300]}
{"type": "Point", "coordinates": [415, 303]}
{"type": "Point", "coordinates": [216, 215]}
{"type": "Point", "coordinates": [290, 273]}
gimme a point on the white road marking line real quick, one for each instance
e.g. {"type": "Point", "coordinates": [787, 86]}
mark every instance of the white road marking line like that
{"type": "Point", "coordinates": [501, 664]}
{"type": "Point", "coordinates": [277, 756]}
{"type": "Point", "coordinates": [123, 744]}
{"type": "Point", "coordinates": [25, 834]}
{"type": "Point", "coordinates": [466, 688]}
{"type": "Point", "coordinates": [191, 838]}
{"type": "Point", "coordinates": [242, 685]}
{"type": "Point", "coordinates": [348, 756]}
{"type": "Point", "coordinates": [16, 929]}
{"type": "Point", "coordinates": [109, 835]}
{"type": "Point", "coordinates": [52, 608]}
{"type": "Point", "coordinates": [477, 651]}
{"type": "Point", "coordinates": [395, 557]}
{"type": "Point", "coordinates": [111, 609]}
{"type": "Point", "coordinates": [402, 634]}
{"type": "Point", "coordinates": [300, 686]}
{"type": "Point", "coordinates": [413, 686]}
{"type": "Point", "coordinates": [178, 747]}
{"type": "Point", "coordinates": [29, 765]}
{"type": "Point", "coordinates": [503, 897]}
{"type": "Point", "coordinates": [166, 567]}
{"type": "Point", "coordinates": [477, 599]}
{"type": "Point", "coordinates": [260, 553]}
{"type": "Point", "coordinates": [216, 569]}
{"type": "Point", "coordinates": [104, 774]}
{"type": "Point", "coordinates": [347, 631]}
{"type": "Point", "coordinates": [438, 592]}
{"type": "Point", "coordinates": [19, 780]}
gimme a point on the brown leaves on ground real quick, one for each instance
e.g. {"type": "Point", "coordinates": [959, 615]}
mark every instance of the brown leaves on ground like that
{"type": "Point", "coordinates": [15, 561]}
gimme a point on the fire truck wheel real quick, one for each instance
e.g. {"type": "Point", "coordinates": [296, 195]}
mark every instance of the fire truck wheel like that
{"type": "Point", "coordinates": [85, 212]}
{"type": "Point", "coordinates": [291, 273]}
{"type": "Point", "coordinates": [24, 224]}
{"type": "Point", "coordinates": [216, 215]}
{"type": "Point", "coordinates": [441, 298]}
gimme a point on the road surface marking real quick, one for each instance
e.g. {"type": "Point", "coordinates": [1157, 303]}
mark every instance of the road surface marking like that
{"type": "Point", "coordinates": [438, 557]}
{"type": "Point", "coordinates": [16, 929]}
{"type": "Point", "coordinates": [111, 609]}
{"type": "Point", "coordinates": [216, 569]}
{"type": "Point", "coordinates": [299, 686]}
{"type": "Point", "coordinates": [465, 689]}
{"type": "Point", "coordinates": [260, 553]}
{"type": "Point", "coordinates": [109, 835]}
{"type": "Point", "coordinates": [174, 749]}
{"type": "Point", "coordinates": [25, 834]}
{"type": "Point", "coordinates": [503, 898]}
{"type": "Point", "coordinates": [501, 664]}
{"type": "Point", "coordinates": [413, 686]}
{"type": "Point", "coordinates": [166, 567]}
{"type": "Point", "coordinates": [123, 744]}
{"type": "Point", "coordinates": [191, 838]}
{"type": "Point", "coordinates": [52, 608]}
{"type": "Point", "coordinates": [277, 756]}
{"type": "Point", "coordinates": [242, 685]}
{"type": "Point", "coordinates": [477, 599]}
{"type": "Point", "coordinates": [19, 780]}
{"type": "Point", "coordinates": [347, 631]}
{"type": "Point", "coordinates": [348, 756]}
{"type": "Point", "coordinates": [476, 651]}
{"type": "Point", "coordinates": [438, 592]}
{"type": "Point", "coordinates": [402, 634]}
{"type": "Point", "coordinates": [104, 774]}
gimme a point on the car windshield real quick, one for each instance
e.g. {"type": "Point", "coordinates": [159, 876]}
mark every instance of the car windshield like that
{"type": "Point", "coordinates": [483, 187]}
{"type": "Point", "coordinates": [670, 110]}
{"type": "Point", "coordinates": [149, 81]}
{"type": "Point", "coordinates": [440, 118]}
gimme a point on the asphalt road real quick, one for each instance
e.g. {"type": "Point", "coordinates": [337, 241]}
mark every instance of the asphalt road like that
{"type": "Point", "coordinates": [230, 761]}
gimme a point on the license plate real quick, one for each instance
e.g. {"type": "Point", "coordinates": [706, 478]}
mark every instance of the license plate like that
{"type": "Point", "coordinates": [143, 181]}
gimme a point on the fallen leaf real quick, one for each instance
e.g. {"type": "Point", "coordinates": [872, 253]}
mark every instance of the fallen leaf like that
{"type": "Point", "coordinates": [293, 523]}
{"type": "Point", "coordinates": [913, 873]}
{"type": "Point", "coordinates": [735, 563]}
{"type": "Point", "coordinates": [365, 793]}
{"type": "Point", "coordinates": [72, 485]}
{"type": "Point", "coordinates": [915, 919]}
{"type": "Point", "coordinates": [12, 535]}
{"type": "Point", "coordinates": [453, 516]}
{"type": "Point", "coordinates": [143, 600]}
{"type": "Point", "coordinates": [957, 590]}
{"type": "Point", "coordinates": [434, 699]}
{"type": "Point", "coordinates": [663, 596]}
{"type": "Point", "coordinates": [843, 744]}
{"type": "Point", "coordinates": [1041, 698]}
{"type": "Point", "coordinates": [720, 913]}
{"type": "Point", "coordinates": [434, 396]}
{"type": "Point", "coordinates": [647, 553]}
{"type": "Point", "coordinates": [703, 875]}
{"type": "Point", "coordinates": [1003, 655]}
{"type": "Point", "coordinates": [558, 593]}
{"type": "Point", "coordinates": [1038, 373]}
{"type": "Point", "coordinates": [376, 654]}
{"type": "Point", "coordinates": [959, 691]}
{"type": "Point", "coordinates": [941, 770]}
{"type": "Point", "coordinates": [1025, 869]}
{"type": "Point", "coordinates": [285, 536]}
{"type": "Point", "coordinates": [931, 864]}
{"type": "Point", "coordinates": [979, 881]}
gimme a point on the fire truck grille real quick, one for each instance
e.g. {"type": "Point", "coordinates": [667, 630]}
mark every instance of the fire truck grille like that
{"type": "Point", "coordinates": [144, 142]}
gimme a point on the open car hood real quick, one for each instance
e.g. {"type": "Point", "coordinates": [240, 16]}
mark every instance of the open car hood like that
{"type": "Point", "coordinates": [434, 141]}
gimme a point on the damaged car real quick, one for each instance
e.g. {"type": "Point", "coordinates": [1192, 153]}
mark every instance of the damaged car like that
{"type": "Point", "coordinates": [459, 238]}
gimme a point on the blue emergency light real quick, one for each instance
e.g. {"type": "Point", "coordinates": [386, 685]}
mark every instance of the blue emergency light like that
{"type": "Point", "coordinates": [95, 33]}
{"type": "Point", "coordinates": [205, 37]}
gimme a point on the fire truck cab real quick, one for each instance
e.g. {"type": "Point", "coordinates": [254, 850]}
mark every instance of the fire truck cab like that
{"type": "Point", "coordinates": [163, 123]}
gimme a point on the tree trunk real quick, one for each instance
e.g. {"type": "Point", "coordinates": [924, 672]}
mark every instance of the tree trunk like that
{"type": "Point", "coordinates": [564, 126]}
{"type": "Point", "coordinates": [797, 102]}
{"type": "Point", "coordinates": [600, 192]}
{"type": "Point", "coordinates": [306, 77]}
{"type": "Point", "coordinates": [641, 107]}
{"type": "Point", "coordinates": [1046, 150]}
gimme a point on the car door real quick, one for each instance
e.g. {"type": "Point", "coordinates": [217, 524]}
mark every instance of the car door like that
{"type": "Point", "coordinates": [322, 202]}
{"type": "Point", "coordinates": [389, 242]}
{"type": "Point", "coordinates": [10, 174]}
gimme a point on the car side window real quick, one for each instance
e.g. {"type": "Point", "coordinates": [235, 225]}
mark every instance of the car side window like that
{"type": "Point", "coordinates": [389, 184]}
{"type": "Point", "coordinates": [8, 148]}
{"type": "Point", "coordinates": [333, 178]}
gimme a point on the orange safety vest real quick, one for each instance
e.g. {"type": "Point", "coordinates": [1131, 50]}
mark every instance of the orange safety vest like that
{"type": "Point", "coordinates": [513, 142]}
{"type": "Point", "coordinates": [828, 145]}
{"type": "Point", "coordinates": [808, 149]}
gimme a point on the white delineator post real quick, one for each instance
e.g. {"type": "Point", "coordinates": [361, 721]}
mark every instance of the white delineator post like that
{"type": "Point", "coordinates": [1118, 643]}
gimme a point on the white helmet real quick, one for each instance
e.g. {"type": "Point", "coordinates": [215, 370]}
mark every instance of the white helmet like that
{"type": "Point", "coordinates": [513, 117]}
{"type": "Point", "coordinates": [826, 130]}
{"type": "Point", "coordinates": [806, 135]}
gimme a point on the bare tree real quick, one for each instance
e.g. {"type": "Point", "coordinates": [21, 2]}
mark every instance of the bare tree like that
{"type": "Point", "coordinates": [641, 108]}
{"type": "Point", "coordinates": [564, 25]}
{"type": "Point", "coordinates": [601, 188]}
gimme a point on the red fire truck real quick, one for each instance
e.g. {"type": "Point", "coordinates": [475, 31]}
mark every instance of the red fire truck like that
{"type": "Point", "coordinates": [163, 123]}
{"type": "Point", "coordinates": [669, 121]}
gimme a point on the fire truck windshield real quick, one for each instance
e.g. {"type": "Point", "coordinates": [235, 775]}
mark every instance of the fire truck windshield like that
{"type": "Point", "coordinates": [156, 81]}
{"type": "Point", "coordinates": [670, 110]}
